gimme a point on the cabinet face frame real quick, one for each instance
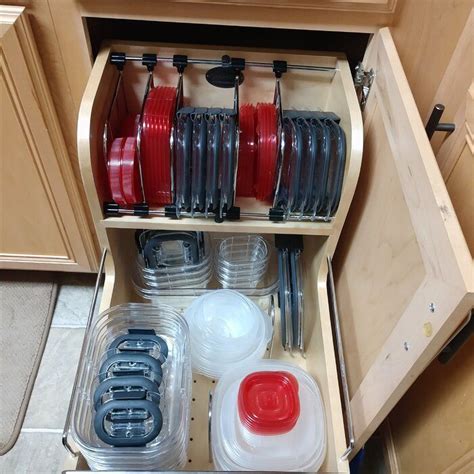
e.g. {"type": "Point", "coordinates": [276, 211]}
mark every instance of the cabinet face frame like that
{"type": "Point", "coordinates": [369, 6]}
{"type": "Point", "coordinates": [26, 88]}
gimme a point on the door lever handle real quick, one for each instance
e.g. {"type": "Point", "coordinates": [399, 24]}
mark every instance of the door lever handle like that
{"type": "Point", "coordinates": [434, 124]}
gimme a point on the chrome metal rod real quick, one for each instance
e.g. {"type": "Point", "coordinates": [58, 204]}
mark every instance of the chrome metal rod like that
{"type": "Point", "coordinates": [258, 64]}
{"type": "Point", "coordinates": [67, 424]}
{"type": "Point", "coordinates": [209, 426]}
{"type": "Point", "coordinates": [149, 86]}
{"type": "Point", "coordinates": [342, 364]}
{"type": "Point", "coordinates": [247, 215]}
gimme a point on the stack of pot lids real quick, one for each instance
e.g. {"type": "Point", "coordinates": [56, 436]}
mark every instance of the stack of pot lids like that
{"type": "Point", "coordinates": [227, 329]}
{"type": "Point", "coordinates": [268, 416]}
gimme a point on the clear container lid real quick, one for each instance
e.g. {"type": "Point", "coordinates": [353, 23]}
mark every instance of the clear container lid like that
{"type": "Point", "coordinates": [236, 448]}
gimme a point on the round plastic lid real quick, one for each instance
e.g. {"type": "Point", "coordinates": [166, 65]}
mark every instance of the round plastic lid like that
{"type": "Point", "coordinates": [268, 402]}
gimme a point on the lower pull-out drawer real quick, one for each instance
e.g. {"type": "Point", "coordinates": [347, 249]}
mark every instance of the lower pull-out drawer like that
{"type": "Point", "coordinates": [318, 360]}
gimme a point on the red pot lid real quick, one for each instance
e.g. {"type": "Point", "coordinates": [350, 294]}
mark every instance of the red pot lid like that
{"type": "Point", "coordinates": [269, 403]}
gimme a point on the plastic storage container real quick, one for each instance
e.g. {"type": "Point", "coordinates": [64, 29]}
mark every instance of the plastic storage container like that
{"type": "Point", "coordinates": [168, 259]}
{"type": "Point", "coordinates": [242, 261]}
{"type": "Point", "coordinates": [109, 431]}
{"type": "Point", "coordinates": [227, 329]}
{"type": "Point", "coordinates": [267, 416]}
{"type": "Point", "coordinates": [254, 253]}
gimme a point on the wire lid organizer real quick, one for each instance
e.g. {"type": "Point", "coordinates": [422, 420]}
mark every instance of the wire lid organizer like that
{"type": "Point", "coordinates": [175, 160]}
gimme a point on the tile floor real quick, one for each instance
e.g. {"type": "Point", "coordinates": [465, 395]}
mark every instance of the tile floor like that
{"type": "Point", "coordinates": [39, 448]}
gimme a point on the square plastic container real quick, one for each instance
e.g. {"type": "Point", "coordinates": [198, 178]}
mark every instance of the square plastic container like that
{"type": "Point", "coordinates": [297, 446]}
{"type": "Point", "coordinates": [242, 261]}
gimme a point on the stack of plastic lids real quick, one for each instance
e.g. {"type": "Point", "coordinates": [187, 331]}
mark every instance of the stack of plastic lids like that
{"type": "Point", "coordinates": [247, 151]}
{"type": "Point", "coordinates": [268, 416]}
{"type": "Point", "coordinates": [267, 151]}
{"type": "Point", "coordinates": [227, 329]}
{"type": "Point", "coordinates": [130, 425]}
{"type": "Point", "coordinates": [242, 261]}
{"type": "Point", "coordinates": [122, 164]}
{"type": "Point", "coordinates": [172, 259]}
{"type": "Point", "coordinates": [158, 116]}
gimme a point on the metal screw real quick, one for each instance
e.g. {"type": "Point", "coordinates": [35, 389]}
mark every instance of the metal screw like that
{"type": "Point", "coordinates": [432, 307]}
{"type": "Point", "coordinates": [406, 346]}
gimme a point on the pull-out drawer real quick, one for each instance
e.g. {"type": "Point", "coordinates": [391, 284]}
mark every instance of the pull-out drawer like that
{"type": "Point", "coordinates": [403, 269]}
{"type": "Point", "coordinates": [319, 359]}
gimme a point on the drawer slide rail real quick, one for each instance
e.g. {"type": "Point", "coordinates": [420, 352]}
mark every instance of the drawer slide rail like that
{"type": "Point", "coordinates": [90, 318]}
{"type": "Point", "coordinates": [342, 365]}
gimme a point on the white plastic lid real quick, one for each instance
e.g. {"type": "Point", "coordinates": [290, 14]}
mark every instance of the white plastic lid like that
{"type": "Point", "coordinates": [235, 448]}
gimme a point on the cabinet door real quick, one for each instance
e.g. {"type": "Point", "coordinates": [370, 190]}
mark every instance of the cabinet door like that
{"type": "Point", "coordinates": [403, 269]}
{"type": "Point", "coordinates": [43, 223]}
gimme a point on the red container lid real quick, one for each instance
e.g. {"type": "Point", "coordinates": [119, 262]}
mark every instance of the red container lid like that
{"type": "Point", "coordinates": [267, 151]}
{"type": "Point", "coordinates": [247, 151]}
{"type": "Point", "coordinates": [269, 403]}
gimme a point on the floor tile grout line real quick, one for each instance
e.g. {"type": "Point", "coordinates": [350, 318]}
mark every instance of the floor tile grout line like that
{"type": "Point", "coordinates": [41, 430]}
{"type": "Point", "coordinates": [67, 326]}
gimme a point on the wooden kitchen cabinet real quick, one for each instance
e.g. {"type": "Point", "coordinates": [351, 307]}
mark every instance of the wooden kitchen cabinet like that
{"type": "Point", "coordinates": [402, 266]}
{"type": "Point", "coordinates": [43, 221]}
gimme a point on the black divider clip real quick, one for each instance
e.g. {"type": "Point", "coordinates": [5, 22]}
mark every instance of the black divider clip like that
{"type": "Point", "coordinates": [238, 64]}
{"type": "Point", "coordinates": [170, 211]}
{"type": "Point", "coordinates": [111, 209]}
{"type": "Point", "coordinates": [180, 61]}
{"type": "Point", "coordinates": [233, 214]}
{"type": "Point", "coordinates": [284, 241]}
{"type": "Point", "coordinates": [149, 60]}
{"type": "Point", "coordinates": [118, 60]}
{"type": "Point", "coordinates": [141, 210]}
{"type": "Point", "coordinates": [276, 214]}
{"type": "Point", "coordinates": [280, 67]}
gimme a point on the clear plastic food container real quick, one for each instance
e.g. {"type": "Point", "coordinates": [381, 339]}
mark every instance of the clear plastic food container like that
{"type": "Point", "coordinates": [256, 275]}
{"type": "Point", "coordinates": [242, 261]}
{"type": "Point", "coordinates": [227, 329]}
{"type": "Point", "coordinates": [268, 416]}
{"type": "Point", "coordinates": [167, 259]}
{"type": "Point", "coordinates": [152, 372]}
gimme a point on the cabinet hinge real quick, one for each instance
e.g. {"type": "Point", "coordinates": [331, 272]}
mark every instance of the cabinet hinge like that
{"type": "Point", "coordinates": [363, 82]}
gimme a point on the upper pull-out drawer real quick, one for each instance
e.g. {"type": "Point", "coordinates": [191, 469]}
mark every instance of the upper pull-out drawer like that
{"type": "Point", "coordinates": [313, 82]}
